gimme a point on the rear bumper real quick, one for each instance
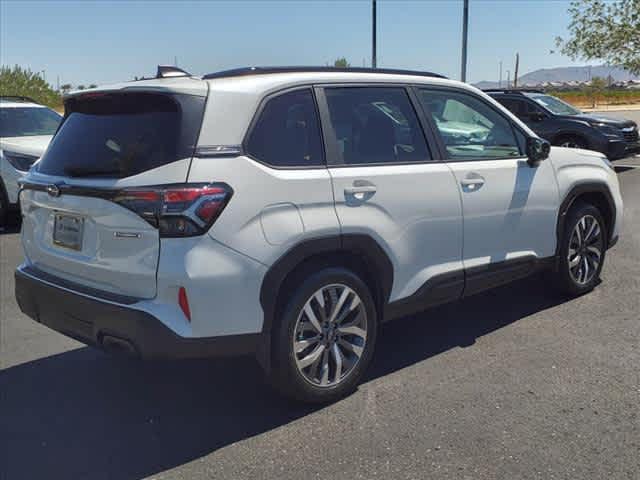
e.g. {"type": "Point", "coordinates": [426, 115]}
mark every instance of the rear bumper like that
{"type": "Point", "coordinates": [97, 322]}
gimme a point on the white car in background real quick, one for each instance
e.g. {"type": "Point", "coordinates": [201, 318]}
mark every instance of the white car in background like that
{"type": "Point", "coordinates": [26, 128]}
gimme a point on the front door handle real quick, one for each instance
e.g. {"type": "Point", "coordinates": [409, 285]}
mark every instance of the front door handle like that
{"type": "Point", "coordinates": [360, 189]}
{"type": "Point", "coordinates": [472, 182]}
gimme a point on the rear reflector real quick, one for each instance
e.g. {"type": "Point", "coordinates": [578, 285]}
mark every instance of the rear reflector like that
{"type": "Point", "coordinates": [183, 301]}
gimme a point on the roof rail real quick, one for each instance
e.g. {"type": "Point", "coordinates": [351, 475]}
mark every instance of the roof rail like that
{"type": "Point", "coordinates": [18, 98]}
{"type": "Point", "coordinates": [512, 90]}
{"type": "Point", "coordinates": [169, 71]}
{"type": "Point", "coordinates": [247, 71]}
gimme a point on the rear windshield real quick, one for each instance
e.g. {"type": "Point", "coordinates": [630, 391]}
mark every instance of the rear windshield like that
{"type": "Point", "coordinates": [123, 134]}
{"type": "Point", "coordinates": [28, 121]}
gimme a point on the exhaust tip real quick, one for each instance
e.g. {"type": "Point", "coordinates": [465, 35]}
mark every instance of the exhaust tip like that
{"type": "Point", "coordinates": [118, 346]}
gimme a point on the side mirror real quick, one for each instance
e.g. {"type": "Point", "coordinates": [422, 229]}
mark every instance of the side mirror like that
{"type": "Point", "coordinates": [537, 150]}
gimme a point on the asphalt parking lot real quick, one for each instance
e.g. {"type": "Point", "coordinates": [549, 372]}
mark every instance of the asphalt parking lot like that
{"type": "Point", "coordinates": [515, 383]}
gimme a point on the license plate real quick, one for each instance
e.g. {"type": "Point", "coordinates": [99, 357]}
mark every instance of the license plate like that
{"type": "Point", "coordinates": [67, 231]}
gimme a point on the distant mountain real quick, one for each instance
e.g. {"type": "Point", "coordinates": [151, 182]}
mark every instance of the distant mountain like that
{"type": "Point", "coordinates": [566, 74]}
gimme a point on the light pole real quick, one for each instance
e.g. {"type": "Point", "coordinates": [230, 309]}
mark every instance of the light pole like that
{"type": "Point", "coordinates": [374, 61]}
{"type": "Point", "coordinates": [465, 24]}
{"type": "Point", "coordinates": [508, 78]}
{"type": "Point", "coordinates": [500, 76]}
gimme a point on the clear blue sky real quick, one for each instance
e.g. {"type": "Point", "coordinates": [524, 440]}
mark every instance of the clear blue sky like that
{"type": "Point", "coordinates": [107, 41]}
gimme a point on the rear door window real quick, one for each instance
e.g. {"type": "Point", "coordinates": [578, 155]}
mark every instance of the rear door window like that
{"type": "Point", "coordinates": [375, 125]}
{"type": "Point", "coordinates": [515, 106]}
{"type": "Point", "coordinates": [123, 134]}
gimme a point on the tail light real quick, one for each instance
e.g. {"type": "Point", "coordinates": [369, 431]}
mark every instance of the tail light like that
{"type": "Point", "coordinates": [178, 210]}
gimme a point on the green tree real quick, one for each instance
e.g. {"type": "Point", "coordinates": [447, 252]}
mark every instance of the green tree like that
{"type": "Point", "coordinates": [23, 82]}
{"type": "Point", "coordinates": [80, 87]}
{"type": "Point", "coordinates": [66, 87]}
{"type": "Point", "coordinates": [341, 63]}
{"type": "Point", "coordinates": [608, 31]}
{"type": "Point", "coordinates": [93, 85]}
{"type": "Point", "coordinates": [595, 89]}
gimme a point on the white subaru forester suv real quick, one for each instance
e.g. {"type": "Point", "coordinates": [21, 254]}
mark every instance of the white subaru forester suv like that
{"type": "Point", "coordinates": [26, 128]}
{"type": "Point", "coordinates": [288, 212]}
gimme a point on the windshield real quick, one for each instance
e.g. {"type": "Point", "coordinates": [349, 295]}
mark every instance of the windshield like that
{"type": "Point", "coordinates": [555, 105]}
{"type": "Point", "coordinates": [28, 121]}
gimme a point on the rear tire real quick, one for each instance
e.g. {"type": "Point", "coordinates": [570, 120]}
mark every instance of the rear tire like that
{"type": "Point", "coordinates": [582, 250]}
{"type": "Point", "coordinates": [324, 338]}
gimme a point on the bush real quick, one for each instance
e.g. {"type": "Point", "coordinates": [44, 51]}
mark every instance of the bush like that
{"type": "Point", "coordinates": [19, 81]}
{"type": "Point", "coordinates": [605, 97]}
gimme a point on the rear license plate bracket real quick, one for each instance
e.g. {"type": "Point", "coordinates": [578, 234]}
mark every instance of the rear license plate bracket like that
{"type": "Point", "coordinates": [68, 231]}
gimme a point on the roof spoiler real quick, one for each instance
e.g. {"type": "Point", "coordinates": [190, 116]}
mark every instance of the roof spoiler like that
{"type": "Point", "coordinates": [169, 71]}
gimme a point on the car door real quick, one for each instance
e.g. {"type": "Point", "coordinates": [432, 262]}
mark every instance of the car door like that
{"type": "Point", "coordinates": [509, 207]}
{"type": "Point", "coordinates": [388, 185]}
{"type": "Point", "coordinates": [537, 119]}
{"type": "Point", "coordinates": [528, 112]}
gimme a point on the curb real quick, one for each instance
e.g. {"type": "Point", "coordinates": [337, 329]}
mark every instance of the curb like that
{"type": "Point", "coordinates": [613, 108]}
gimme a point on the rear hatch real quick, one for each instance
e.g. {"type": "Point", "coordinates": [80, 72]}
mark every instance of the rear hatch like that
{"type": "Point", "coordinates": [92, 205]}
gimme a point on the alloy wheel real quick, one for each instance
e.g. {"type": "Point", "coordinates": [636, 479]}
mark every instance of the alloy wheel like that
{"type": "Point", "coordinates": [585, 250]}
{"type": "Point", "coordinates": [571, 144]}
{"type": "Point", "coordinates": [330, 335]}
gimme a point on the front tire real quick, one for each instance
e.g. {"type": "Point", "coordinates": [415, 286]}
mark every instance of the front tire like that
{"type": "Point", "coordinates": [572, 141]}
{"type": "Point", "coordinates": [582, 250]}
{"type": "Point", "coordinates": [325, 337]}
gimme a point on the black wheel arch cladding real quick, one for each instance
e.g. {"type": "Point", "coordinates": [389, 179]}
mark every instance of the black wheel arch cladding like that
{"type": "Point", "coordinates": [357, 245]}
{"type": "Point", "coordinates": [594, 193]}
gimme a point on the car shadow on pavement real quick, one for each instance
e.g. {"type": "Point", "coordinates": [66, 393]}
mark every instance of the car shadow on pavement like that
{"type": "Point", "coordinates": [83, 414]}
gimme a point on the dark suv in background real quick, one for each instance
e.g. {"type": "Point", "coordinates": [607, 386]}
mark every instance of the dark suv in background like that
{"type": "Point", "coordinates": [566, 126]}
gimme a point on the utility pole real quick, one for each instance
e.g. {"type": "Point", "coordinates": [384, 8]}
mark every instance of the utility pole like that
{"type": "Point", "coordinates": [175, 61]}
{"type": "Point", "coordinates": [465, 24]}
{"type": "Point", "coordinates": [500, 77]}
{"type": "Point", "coordinates": [374, 61]}
{"type": "Point", "coordinates": [515, 75]}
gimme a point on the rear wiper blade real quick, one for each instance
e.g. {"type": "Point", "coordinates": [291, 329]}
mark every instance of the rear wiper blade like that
{"type": "Point", "coordinates": [91, 172]}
